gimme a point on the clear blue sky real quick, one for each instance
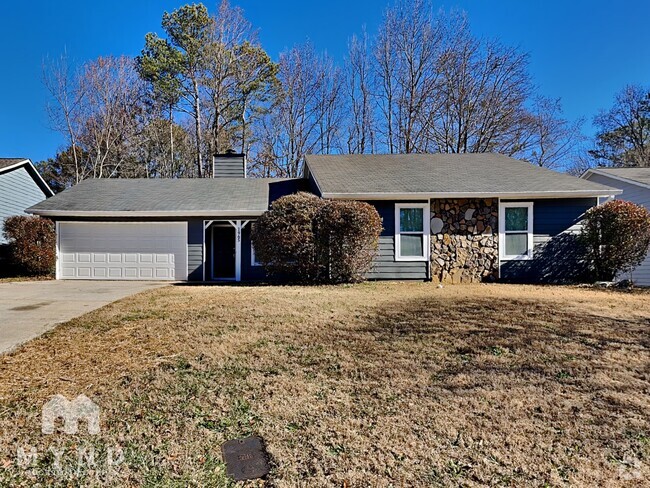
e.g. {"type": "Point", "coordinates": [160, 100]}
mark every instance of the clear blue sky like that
{"type": "Point", "coordinates": [582, 51]}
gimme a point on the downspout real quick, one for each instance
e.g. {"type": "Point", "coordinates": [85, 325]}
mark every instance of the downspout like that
{"type": "Point", "coordinates": [498, 229]}
{"type": "Point", "coordinates": [57, 273]}
{"type": "Point", "coordinates": [429, 278]}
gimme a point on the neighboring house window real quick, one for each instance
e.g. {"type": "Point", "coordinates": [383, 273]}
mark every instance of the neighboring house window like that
{"type": "Point", "coordinates": [411, 231]}
{"type": "Point", "coordinates": [516, 231]}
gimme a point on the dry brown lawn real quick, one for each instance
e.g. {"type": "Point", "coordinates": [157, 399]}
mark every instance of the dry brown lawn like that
{"type": "Point", "coordinates": [380, 384]}
{"type": "Point", "coordinates": [14, 279]}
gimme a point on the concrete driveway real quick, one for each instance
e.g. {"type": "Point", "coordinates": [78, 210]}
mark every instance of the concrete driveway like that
{"type": "Point", "coordinates": [30, 308]}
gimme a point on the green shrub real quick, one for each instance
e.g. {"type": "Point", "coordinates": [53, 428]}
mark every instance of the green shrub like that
{"type": "Point", "coordinates": [32, 244]}
{"type": "Point", "coordinates": [309, 239]}
{"type": "Point", "coordinates": [616, 236]}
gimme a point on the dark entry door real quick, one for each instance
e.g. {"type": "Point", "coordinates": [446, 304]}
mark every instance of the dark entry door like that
{"type": "Point", "coordinates": [223, 248]}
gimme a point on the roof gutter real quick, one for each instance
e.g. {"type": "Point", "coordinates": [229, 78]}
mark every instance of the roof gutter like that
{"type": "Point", "coordinates": [131, 214]}
{"type": "Point", "coordinates": [14, 166]}
{"type": "Point", "coordinates": [427, 195]}
{"type": "Point", "coordinates": [592, 171]}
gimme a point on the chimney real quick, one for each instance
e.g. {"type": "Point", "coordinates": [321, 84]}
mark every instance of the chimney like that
{"type": "Point", "coordinates": [229, 165]}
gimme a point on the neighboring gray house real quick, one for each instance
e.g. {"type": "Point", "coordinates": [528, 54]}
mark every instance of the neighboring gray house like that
{"type": "Point", "coordinates": [446, 217]}
{"type": "Point", "coordinates": [635, 184]}
{"type": "Point", "coordinates": [21, 186]}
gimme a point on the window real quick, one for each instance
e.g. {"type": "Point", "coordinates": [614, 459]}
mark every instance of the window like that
{"type": "Point", "coordinates": [254, 261]}
{"type": "Point", "coordinates": [411, 231]}
{"type": "Point", "coordinates": [516, 231]}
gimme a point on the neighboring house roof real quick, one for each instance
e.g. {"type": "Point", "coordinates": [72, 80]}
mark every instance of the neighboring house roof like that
{"type": "Point", "coordinates": [7, 162]}
{"type": "Point", "coordinates": [11, 164]}
{"type": "Point", "coordinates": [635, 176]}
{"type": "Point", "coordinates": [393, 176]}
{"type": "Point", "coordinates": [166, 197]}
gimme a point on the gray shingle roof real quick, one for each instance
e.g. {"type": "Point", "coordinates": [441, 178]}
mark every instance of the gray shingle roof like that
{"type": "Point", "coordinates": [398, 176]}
{"type": "Point", "coordinates": [640, 175]}
{"type": "Point", "coordinates": [6, 162]}
{"type": "Point", "coordinates": [161, 197]}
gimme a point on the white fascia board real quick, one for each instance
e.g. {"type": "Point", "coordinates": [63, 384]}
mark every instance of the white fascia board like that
{"type": "Point", "coordinates": [14, 166]}
{"type": "Point", "coordinates": [426, 195]}
{"type": "Point", "coordinates": [171, 213]}
{"type": "Point", "coordinates": [586, 174]}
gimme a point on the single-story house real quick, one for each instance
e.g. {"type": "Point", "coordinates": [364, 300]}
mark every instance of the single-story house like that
{"type": "Point", "coordinates": [21, 186]}
{"type": "Point", "coordinates": [447, 217]}
{"type": "Point", "coordinates": [635, 184]}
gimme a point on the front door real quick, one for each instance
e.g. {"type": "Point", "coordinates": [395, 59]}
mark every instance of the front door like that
{"type": "Point", "coordinates": [223, 252]}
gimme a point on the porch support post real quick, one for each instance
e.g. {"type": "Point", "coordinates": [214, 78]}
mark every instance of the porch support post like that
{"type": "Point", "coordinates": [237, 224]}
{"type": "Point", "coordinates": [429, 274]}
{"type": "Point", "coordinates": [238, 251]}
{"type": "Point", "coordinates": [499, 243]}
{"type": "Point", "coordinates": [203, 255]}
{"type": "Point", "coordinates": [58, 254]}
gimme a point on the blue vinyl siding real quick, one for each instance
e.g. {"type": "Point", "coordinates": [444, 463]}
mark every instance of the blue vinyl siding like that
{"type": "Point", "coordinates": [384, 266]}
{"type": "Point", "coordinates": [195, 250]}
{"type": "Point", "coordinates": [18, 191]}
{"type": "Point", "coordinates": [557, 254]}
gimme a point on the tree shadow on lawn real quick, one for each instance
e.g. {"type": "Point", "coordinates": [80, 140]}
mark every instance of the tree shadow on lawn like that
{"type": "Point", "coordinates": [534, 371]}
{"type": "Point", "coordinates": [480, 323]}
{"type": "Point", "coordinates": [540, 340]}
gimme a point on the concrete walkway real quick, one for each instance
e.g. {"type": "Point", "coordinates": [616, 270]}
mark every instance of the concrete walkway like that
{"type": "Point", "coordinates": [30, 308]}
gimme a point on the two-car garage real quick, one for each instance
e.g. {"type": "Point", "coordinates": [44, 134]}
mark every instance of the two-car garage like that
{"type": "Point", "coordinates": [122, 250]}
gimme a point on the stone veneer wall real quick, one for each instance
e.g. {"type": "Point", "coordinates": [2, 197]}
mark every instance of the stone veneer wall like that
{"type": "Point", "coordinates": [464, 240]}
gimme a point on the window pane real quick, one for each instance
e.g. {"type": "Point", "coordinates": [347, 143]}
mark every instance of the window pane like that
{"type": "Point", "coordinates": [516, 244]}
{"type": "Point", "coordinates": [411, 245]}
{"type": "Point", "coordinates": [411, 219]}
{"type": "Point", "coordinates": [516, 218]}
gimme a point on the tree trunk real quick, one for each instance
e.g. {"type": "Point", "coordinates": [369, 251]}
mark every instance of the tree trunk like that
{"type": "Point", "coordinates": [171, 140]}
{"type": "Point", "coordinates": [197, 128]}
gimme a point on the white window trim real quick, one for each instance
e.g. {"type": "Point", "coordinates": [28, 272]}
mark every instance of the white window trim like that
{"type": "Point", "coordinates": [502, 231]}
{"type": "Point", "coordinates": [254, 261]}
{"type": "Point", "coordinates": [425, 231]}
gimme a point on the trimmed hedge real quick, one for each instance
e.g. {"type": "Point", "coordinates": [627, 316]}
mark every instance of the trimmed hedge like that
{"type": "Point", "coordinates": [32, 244]}
{"type": "Point", "coordinates": [305, 238]}
{"type": "Point", "coordinates": [617, 237]}
{"type": "Point", "coordinates": [283, 237]}
{"type": "Point", "coordinates": [347, 237]}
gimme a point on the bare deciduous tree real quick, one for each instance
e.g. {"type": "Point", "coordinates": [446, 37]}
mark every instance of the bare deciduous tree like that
{"type": "Point", "coordinates": [65, 109]}
{"type": "Point", "coordinates": [360, 120]}
{"type": "Point", "coordinates": [423, 83]}
{"type": "Point", "coordinates": [98, 109]}
{"type": "Point", "coordinates": [407, 50]}
{"type": "Point", "coordinates": [552, 140]}
{"type": "Point", "coordinates": [485, 87]}
{"type": "Point", "coordinates": [306, 116]}
{"type": "Point", "coordinates": [623, 137]}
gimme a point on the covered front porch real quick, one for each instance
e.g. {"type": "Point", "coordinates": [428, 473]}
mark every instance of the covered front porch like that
{"type": "Point", "coordinates": [228, 252]}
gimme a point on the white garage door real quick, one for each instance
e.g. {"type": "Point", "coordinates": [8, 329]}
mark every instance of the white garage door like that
{"type": "Point", "coordinates": [122, 251]}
